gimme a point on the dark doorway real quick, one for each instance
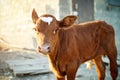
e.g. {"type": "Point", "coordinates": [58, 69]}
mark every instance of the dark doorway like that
{"type": "Point", "coordinates": [84, 9]}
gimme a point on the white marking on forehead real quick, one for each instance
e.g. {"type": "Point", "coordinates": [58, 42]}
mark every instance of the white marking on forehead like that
{"type": "Point", "coordinates": [47, 19]}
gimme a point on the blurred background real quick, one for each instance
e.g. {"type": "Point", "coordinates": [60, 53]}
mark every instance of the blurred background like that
{"type": "Point", "coordinates": [16, 26]}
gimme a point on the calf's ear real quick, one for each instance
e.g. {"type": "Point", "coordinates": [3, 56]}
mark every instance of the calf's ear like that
{"type": "Point", "coordinates": [34, 16]}
{"type": "Point", "coordinates": [68, 21]}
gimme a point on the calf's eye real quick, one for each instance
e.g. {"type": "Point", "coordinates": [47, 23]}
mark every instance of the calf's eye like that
{"type": "Point", "coordinates": [55, 31]}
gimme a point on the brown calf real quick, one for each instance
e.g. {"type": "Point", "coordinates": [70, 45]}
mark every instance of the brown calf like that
{"type": "Point", "coordinates": [68, 45]}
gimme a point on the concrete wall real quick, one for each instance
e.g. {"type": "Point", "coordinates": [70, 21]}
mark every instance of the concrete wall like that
{"type": "Point", "coordinates": [111, 16]}
{"type": "Point", "coordinates": [65, 8]}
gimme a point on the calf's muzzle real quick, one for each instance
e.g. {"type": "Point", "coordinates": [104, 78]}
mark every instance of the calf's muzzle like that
{"type": "Point", "coordinates": [45, 48]}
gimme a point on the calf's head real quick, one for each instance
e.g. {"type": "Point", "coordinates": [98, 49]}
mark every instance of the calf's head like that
{"type": "Point", "coordinates": [47, 29]}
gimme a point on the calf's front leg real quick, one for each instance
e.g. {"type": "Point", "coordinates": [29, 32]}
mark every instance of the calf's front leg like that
{"type": "Point", "coordinates": [57, 78]}
{"type": "Point", "coordinates": [71, 70]}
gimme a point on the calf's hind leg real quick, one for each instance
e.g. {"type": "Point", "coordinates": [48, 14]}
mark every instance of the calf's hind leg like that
{"type": "Point", "coordinates": [100, 67]}
{"type": "Point", "coordinates": [113, 65]}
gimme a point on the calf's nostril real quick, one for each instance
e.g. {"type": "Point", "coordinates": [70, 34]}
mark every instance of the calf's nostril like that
{"type": "Point", "coordinates": [48, 48]}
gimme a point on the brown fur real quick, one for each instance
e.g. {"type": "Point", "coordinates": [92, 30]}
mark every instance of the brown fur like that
{"type": "Point", "coordinates": [79, 43]}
